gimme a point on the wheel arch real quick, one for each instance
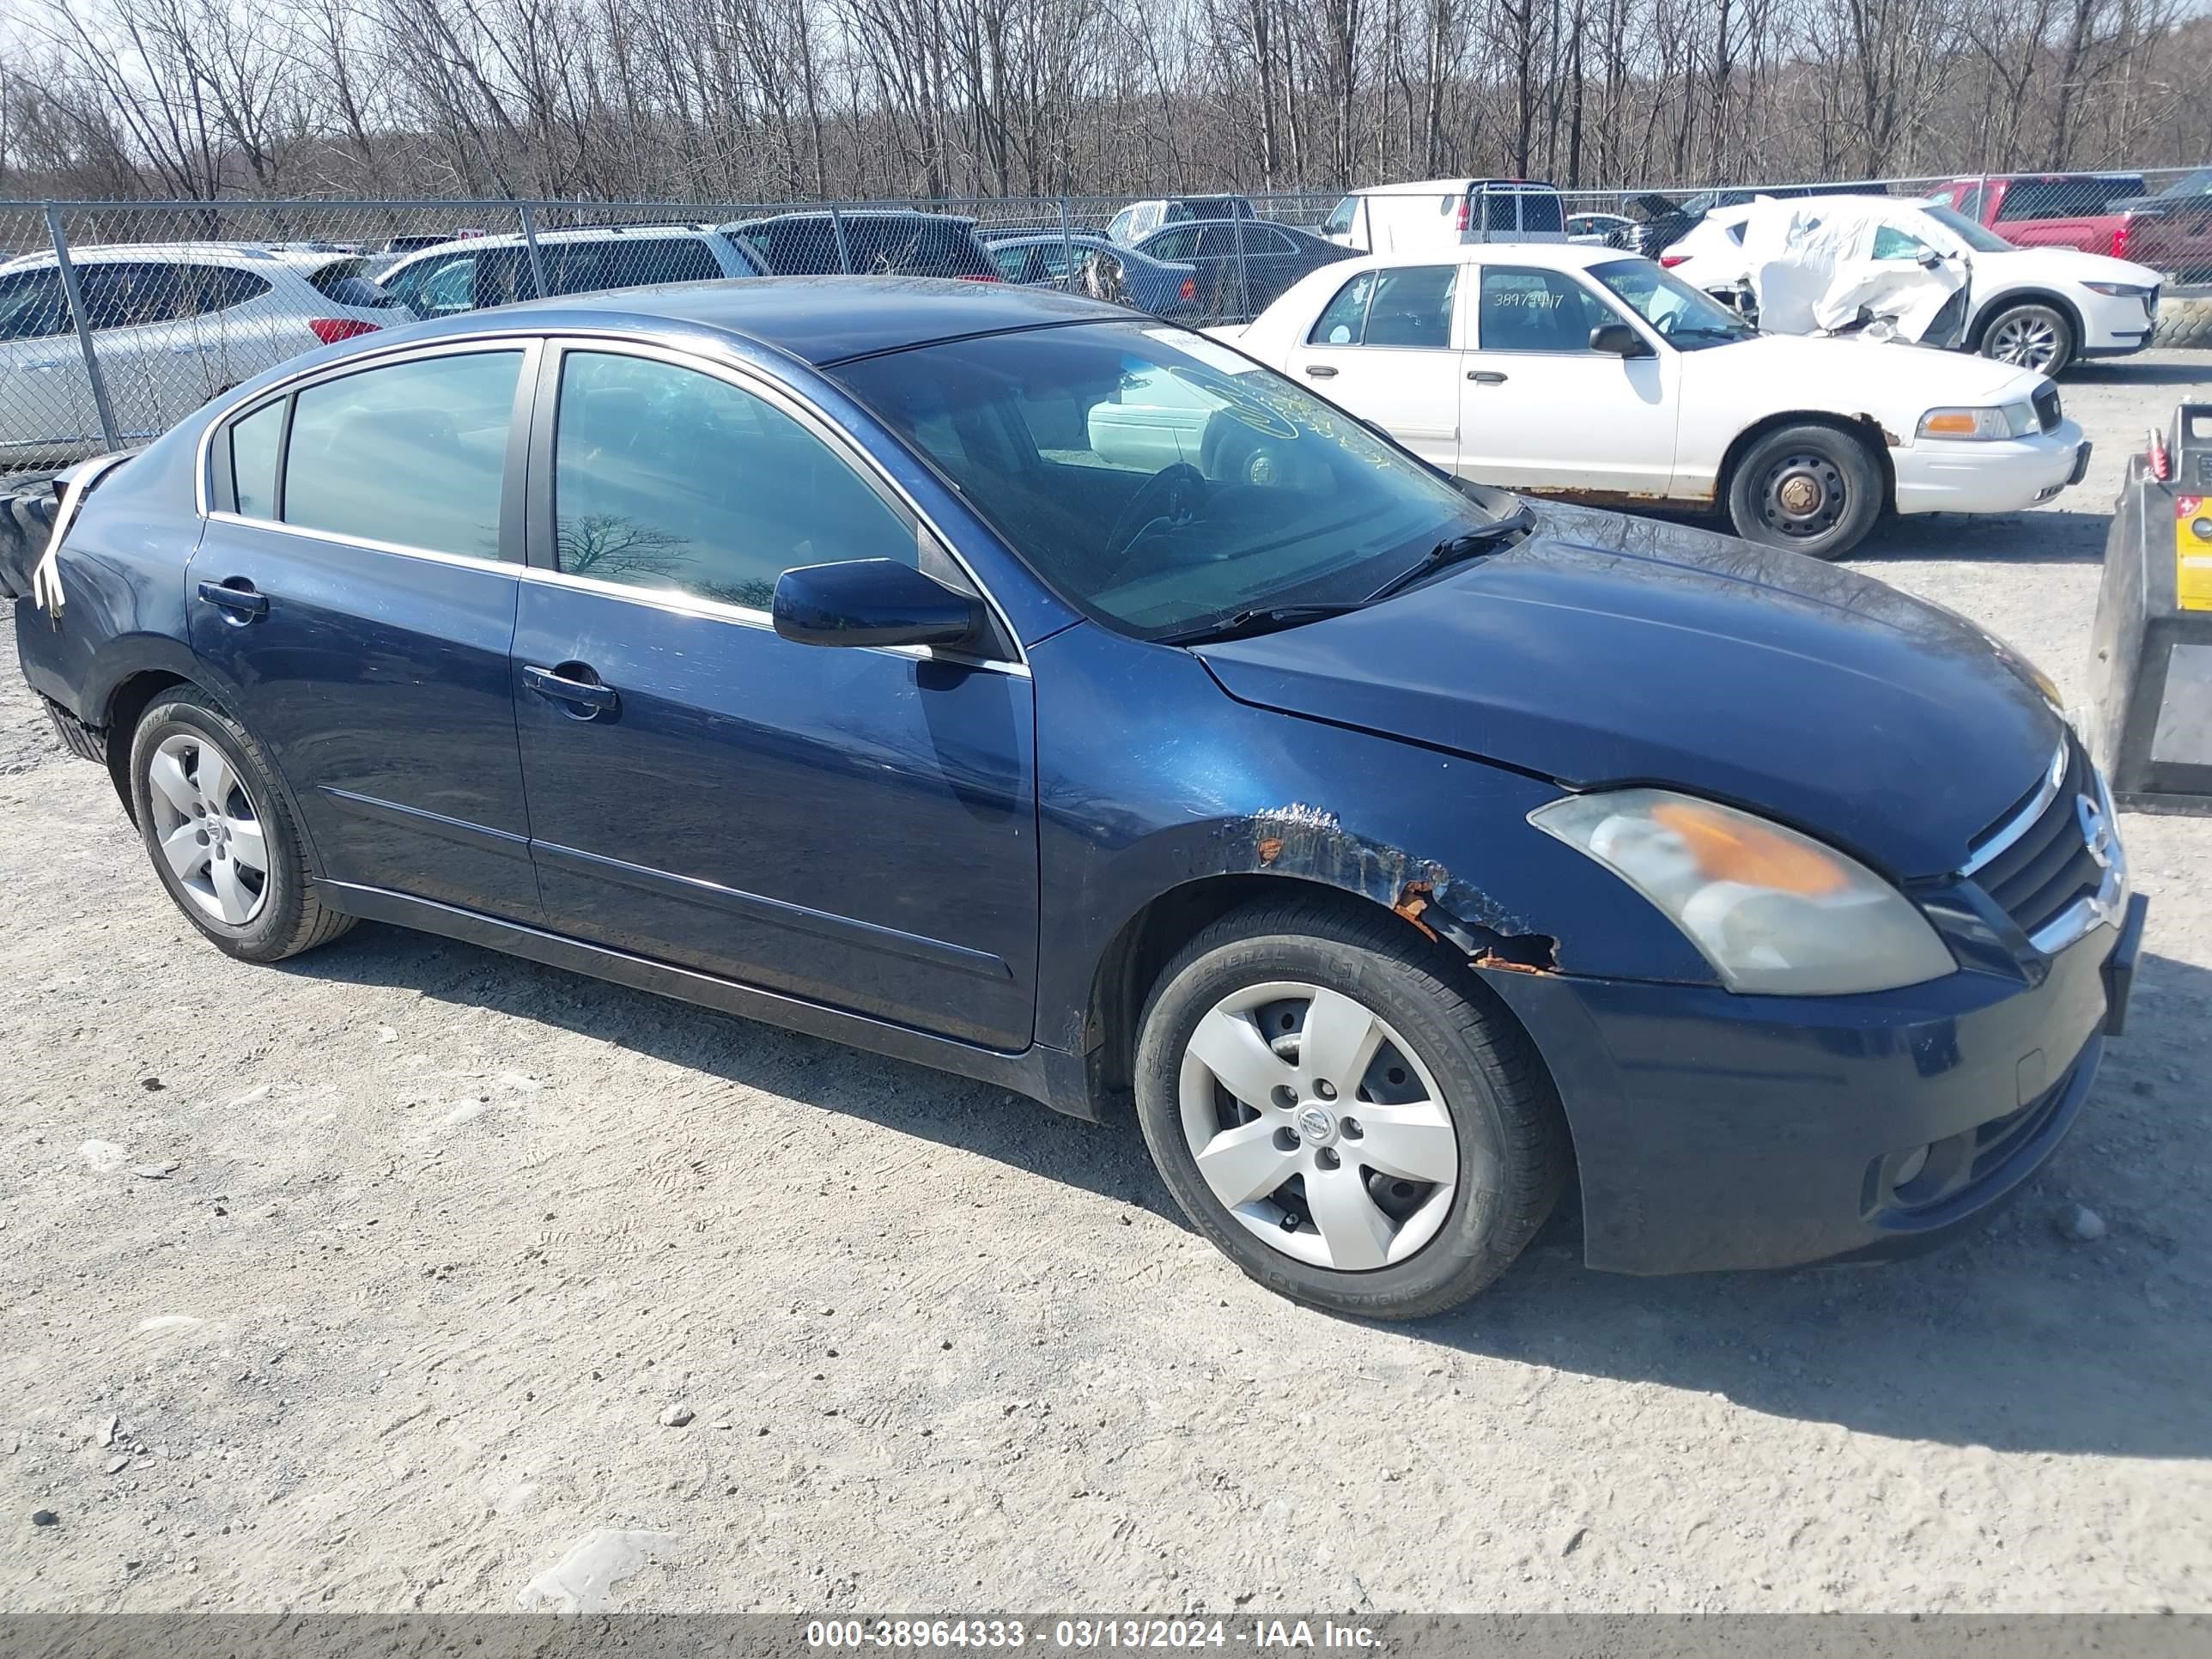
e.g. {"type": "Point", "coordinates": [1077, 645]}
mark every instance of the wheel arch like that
{"type": "Point", "coordinates": [1878, 438]}
{"type": "Point", "coordinates": [1130, 964]}
{"type": "Point", "coordinates": [1990, 310]}
{"type": "Point", "coordinates": [126, 704]}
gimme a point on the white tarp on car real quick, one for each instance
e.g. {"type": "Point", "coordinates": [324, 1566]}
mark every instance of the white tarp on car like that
{"type": "Point", "coordinates": [1827, 264]}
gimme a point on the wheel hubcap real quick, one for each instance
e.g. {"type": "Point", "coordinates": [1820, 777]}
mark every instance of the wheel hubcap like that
{"type": "Point", "coordinates": [2031, 341]}
{"type": "Point", "coordinates": [1318, 1126]}
{"type": "Point", "coordinates": [207, 830]}
{"type": "Point", "coordinates": [1805, 497]}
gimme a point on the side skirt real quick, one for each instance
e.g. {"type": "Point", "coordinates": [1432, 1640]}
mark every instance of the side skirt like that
{"type": "Point", "coordinates": [1057, 1078]}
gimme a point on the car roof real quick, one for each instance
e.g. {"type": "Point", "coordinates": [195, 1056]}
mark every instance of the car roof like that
{"type": "Point", "coordinates": [1452, 186]}
{"type": "Point", "coordinates": [847, 214]}
{"type": "Point", "coordinates": [828, 319]}
{"type": "Point", "coordinates": [195, 252]}
{"type": "Point", "coordinates": [1557, 256]}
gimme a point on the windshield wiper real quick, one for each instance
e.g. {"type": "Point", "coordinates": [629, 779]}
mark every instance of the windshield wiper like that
{"type": "Point", "coordinates": [1453, 549]}
{"type": "Point", "coordinates": [1266, 619]}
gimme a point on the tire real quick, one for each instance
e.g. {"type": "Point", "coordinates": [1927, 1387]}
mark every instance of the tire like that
{"type": "Point", "coordinates": [1814, 489]}
{"type": "Point", "coordinates": [2186, 322]}
{"type": "Point", "coordinates": [264, 920]}
{"type": "Point", "coordinates": [2032, 335]}
{"type": "Point", "coordinates": [1440, 1057]}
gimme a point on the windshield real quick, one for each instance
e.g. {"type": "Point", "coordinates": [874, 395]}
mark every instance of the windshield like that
{"type": "Point", "coordinates": [1980, 238]}
{"type": "Point", "coordinates": [1156, 479]}
{"type": "Point", "coordinates": [1690, 320]}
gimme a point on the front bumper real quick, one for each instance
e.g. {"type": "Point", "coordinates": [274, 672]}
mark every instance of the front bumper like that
{"type": "Point", "coordinates": [1935, 475]}
{"type": "Point", "coordinates": [1717, 1131]}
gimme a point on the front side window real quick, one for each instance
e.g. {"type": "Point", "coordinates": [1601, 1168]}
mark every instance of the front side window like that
{"type": "Point", "coordinates": [414, 453]}
{"type": "Point", "coordinates": [1978, 237]}
{"type": "Point", "coordinates": [1339, 221]}
{"type": "Point", "coordinates": [1891, 243]}
{"type": "Point", "coordinates": [1158, 480]}
{"type": "Point", "coordinates": [1690, 319]}
{"type": "Point", "coordinates": [450, 288]}
{"type": "Point", "coordinates": [33, 305]}
{"type": "Point", "coordinates": [1531, 310]}
{"type": "Point", "coordinates": [667, 478]}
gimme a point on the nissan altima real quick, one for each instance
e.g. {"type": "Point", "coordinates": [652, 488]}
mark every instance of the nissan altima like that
{"type": "Point", "coordinates": [1400, 853]}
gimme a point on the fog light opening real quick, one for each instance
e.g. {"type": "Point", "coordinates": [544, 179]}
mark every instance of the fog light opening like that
{"type": "Point", "coordinates": [1910, 1166]}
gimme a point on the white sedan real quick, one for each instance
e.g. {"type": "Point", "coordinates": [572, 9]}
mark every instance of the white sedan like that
{"type": "Point", "coordinates": [1585, 373]}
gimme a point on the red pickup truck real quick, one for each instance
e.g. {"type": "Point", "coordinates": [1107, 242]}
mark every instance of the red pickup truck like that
{"type": "Point", "coordinates": [2097, 212]}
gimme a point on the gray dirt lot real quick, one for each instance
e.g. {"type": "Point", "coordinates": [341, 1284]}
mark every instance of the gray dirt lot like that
{"type": "Point", "coordinates": [453, 1232]}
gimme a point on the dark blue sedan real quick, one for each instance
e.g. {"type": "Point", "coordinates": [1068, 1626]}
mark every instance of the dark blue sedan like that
{"type": "Point", "coordinates": [844, 653]}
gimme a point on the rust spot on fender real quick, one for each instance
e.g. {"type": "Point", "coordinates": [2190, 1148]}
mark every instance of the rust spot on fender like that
{"type": "Point", "coordinates": [1271, 848]}
{"type": "Point", "coordinates": [1414, 897]}
{"type": "Point", "coordinates": [1530, 953]}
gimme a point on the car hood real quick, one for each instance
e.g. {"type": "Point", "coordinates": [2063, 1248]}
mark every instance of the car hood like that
{"type": "Point", "coordinates": [2062, 264]}
{"type": "Point", "coordinates": [1609, 650]}
{"type": "Point", "coordinates": [1895, 381]}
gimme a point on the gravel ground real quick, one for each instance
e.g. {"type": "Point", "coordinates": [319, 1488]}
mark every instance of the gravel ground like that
{"type": "Point", "coordinates": [377, 1280]}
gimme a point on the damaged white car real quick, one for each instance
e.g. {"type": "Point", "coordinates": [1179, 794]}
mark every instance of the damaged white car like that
{"type": "Point", "coordinates": [1596, 375]}
{"type": "Point", "coordinates": [1919, 272]}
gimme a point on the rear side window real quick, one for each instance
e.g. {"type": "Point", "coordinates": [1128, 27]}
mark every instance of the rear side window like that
{"type": "Point", "coordinates": [664, 478]}
{"type": "Point", "coordinates": [1412, 308]}
{"type": "Point", "coordinates": [253, 445]}
{"type": "Point", "coordinates": [221, 288]}
{"type": "Point", "coordinates": [441, 424]}
{"type": "Point", "coordinates": [627, 262]}
{"type": "Point", "coordinates": [796, 247]}
{"type": "Point", "coordinates": [916, 246]}
{"type": "Point", "coordinates": [1180, 243]}
{"type": "Point", "coordinates": [1343, 320]}
{"type": "Point", "coordinates": [2063, 198]}
{"type": "Point", "coordinates": [131, 294]}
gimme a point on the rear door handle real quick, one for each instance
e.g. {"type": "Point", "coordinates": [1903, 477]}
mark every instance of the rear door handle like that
{"type": "Point", "coordinates": [1486, 377]}
{"type": "Point", "coordinates": [563, 687]}
{"type": "Point", "coordinates": [1321, 371]}
{"type": "Point", "coordinates": [237, 596]}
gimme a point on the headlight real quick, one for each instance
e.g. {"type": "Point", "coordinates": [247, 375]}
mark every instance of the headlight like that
{"type": "Point", "coordinates": [2012, 421]}
{"type": "Point", "coordinates": [2120, 290]}
{"type": "Point", "coordinates": [1773, 911]}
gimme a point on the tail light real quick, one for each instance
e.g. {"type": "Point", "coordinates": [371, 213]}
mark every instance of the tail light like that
{"type": "Point", "coordinates": [1463, 218]}
{"type": "Point", "coordinates": [1668, 261]}
{"type": "Point", "coordinates": [330, 330]}
{"type": "Point", "coordinates": [2120, 239]}
{"type": "Point", "coordinates": [1190, 288]}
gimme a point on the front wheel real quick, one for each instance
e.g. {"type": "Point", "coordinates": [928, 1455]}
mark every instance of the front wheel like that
{"type": "Point", "coordinates": [1339, 1118]}
{"type": "Point", "coordinates": [1814, 489]}
{"type": "Point", "coordinates": [2036, 337]}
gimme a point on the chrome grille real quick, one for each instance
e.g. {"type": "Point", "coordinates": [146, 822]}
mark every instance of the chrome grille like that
{"type": "Point", "coordinates": [2034, 862]}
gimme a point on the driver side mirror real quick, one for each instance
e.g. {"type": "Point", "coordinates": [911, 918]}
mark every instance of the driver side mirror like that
{"type": "Point", "coordinates": [1618, 340]}
{"type": "Point", "coordinates": [874, 601]}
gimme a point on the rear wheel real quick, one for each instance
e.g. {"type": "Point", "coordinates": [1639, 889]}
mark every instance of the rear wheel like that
{"type": "Point", "coordinates": [1339, 1118]}
{"type": "Point", "coordinates": [220, 835]}
{"type": "Point", "coordinates": [1814, 489]}
{"type": "Point", "coordinates": [2033, 336]}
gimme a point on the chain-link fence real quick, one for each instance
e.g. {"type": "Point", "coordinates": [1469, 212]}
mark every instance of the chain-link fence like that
{"type": "Point", "coordinates": [119, 318]}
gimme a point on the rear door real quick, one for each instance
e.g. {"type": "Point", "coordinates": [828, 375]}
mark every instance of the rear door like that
{"type": "Point", "coordinates": [854, 827]}
{"type": "Point", "coordinates": [354, 593]}
{"type": "Point", "coordinates": [1386, 347]}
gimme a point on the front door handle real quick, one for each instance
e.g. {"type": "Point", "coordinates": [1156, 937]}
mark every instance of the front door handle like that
{"type": "Point", "coordinates": [1486, 377]}
{"type": "Point", "coordinates": [1321, 371]}
{"type": "Point", "coordinates": [238, 597]}
{"type": "Point", "coordinates": [589, 696]}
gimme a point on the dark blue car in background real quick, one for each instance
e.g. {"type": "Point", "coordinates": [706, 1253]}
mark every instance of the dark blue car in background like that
{"type": "Point", "coordinates": [812, 649]}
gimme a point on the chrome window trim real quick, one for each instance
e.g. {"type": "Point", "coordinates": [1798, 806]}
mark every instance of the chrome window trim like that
{"type": "Point", "coordinates": [524, 338]}
{"type": "Point", "coordinates": [2054, 780]}
{"type": "Point", "coordinates": [340, 539]}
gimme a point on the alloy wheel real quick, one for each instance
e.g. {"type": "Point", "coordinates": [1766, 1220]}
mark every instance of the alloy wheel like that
{"type": "Point", "coordinates": [1318, 1126]}
{"type": "Point", "coordinates": [208, 828]}
{"type": "Point", "coordinates": [2029, 340]}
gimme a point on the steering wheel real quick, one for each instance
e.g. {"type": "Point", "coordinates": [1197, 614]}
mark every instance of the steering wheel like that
{"type": "Point", "coordinates": [1173, 491]}
{"type": "Point", "coordinates": [1665, 322]}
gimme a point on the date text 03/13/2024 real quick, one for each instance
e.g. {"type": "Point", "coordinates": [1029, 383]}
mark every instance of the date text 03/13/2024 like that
{"type": "Point", "coordinates": [1255, 1635]}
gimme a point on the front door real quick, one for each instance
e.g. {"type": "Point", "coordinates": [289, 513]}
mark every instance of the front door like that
{"type": "Point", "coordinates": [1540, 411]}
{"type": "Point", "coordinates": [351, 594]}
{"type": "Point", "coordinates": [1383, 348]}
{"type": "Point", "coordinates": [853, 826]}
